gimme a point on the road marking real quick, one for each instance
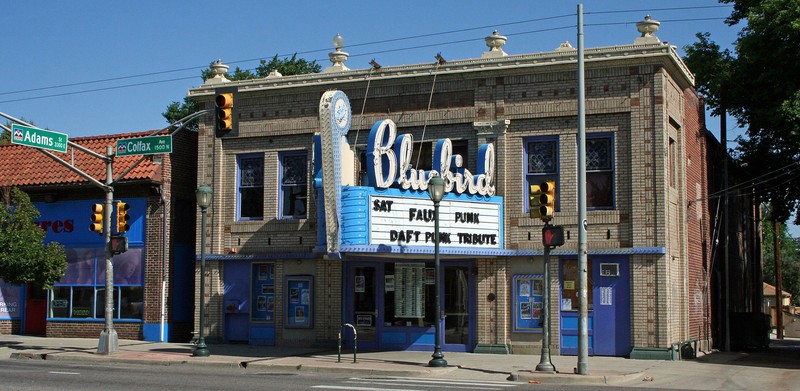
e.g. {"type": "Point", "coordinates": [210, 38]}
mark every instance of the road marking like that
{"type": "Point", "coordinates": [363, 383]}
{"type": "Point", "coordinates": [435, 380]}
{"type": "Point", "coordinates": [361, 388]}
{"type": "Point", "coordinates": [63, 373]}
{"type": "Point", "coordinates": [432, 385]}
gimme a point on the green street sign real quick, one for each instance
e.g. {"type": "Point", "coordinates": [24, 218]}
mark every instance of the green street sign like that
{"type": "Point", "coordinates": [151, 145]}
{"type": "Point", "coordinates": [38, 138]}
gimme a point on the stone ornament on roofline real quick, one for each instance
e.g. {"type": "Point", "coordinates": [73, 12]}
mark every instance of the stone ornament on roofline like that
{"type": "Point", "coordinates": [648, 28]}
{"type": "Point", "coordinates": [218, 69]}
{"type": "Point", "coordinates": [337, 57]}
{"type": "Point", "coordinates": [495, 42]}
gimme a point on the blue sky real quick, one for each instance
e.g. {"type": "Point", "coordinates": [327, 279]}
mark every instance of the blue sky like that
{"type": "Point", "coordinates": [102, 67]}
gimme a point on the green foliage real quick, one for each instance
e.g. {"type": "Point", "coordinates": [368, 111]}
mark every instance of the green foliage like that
{"type": "Point", "coordinates": [5, 137]}
{"type": "Point", "coordinates": [286, 66]}
{"type": "Point", "coordinates": [176, 111]}
{"type": "Point", "coordinates": [759, 84]}
{"type": "Point", "coordinates": [23, 256]}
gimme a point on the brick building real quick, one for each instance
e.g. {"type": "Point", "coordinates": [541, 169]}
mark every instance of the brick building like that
{"type": "Point", "coordinates": [277, 277]}
{"type": "Point", "coordinates": [152, 278]}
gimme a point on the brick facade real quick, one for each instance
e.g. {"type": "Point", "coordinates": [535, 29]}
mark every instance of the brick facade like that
{"type": "Point", "coordinates": [641, 94]}
{"type": "Point", "coordinates": [167, 183]}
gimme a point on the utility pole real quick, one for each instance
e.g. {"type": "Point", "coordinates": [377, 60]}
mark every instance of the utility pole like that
{"type": "Point", "coordinates": [583, 298]}
{"type": "Point", "coordinates": [776, 249]}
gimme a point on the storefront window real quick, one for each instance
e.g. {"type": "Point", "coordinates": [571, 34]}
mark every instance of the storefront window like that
{"type": "Point", "coordinates": [569, 284]}
{"type": "Point", "coordinates": [81, 292]}
{"type": "Point", "coordinates": [541, 157]}
{"type": "Point", "coordinates": [599, 171]}
{"type": "Point", "coordinates": [294, 185]}
{"type": "Point", "coordinates": [250, 202]}
{"type": "Point", "coordinates": [411, 300]}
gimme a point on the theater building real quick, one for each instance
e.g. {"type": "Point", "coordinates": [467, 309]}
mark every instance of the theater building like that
{"type": "Point", "coordinates": [152, 281]}
{"type": "Point", "coordinates": [321, 214]}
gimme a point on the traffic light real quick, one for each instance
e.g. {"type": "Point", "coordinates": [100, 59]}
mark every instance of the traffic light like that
{"type": "Point", "coordinates": [224, 103]}
{"type": "Point", "coordinates": [122, 217]}
{"type": "Point", "coordinates": [97, 219]}
{"type": "Point", "coordinates": [543, 200]}
{"type": "Point", "coordinates": [552, 235]}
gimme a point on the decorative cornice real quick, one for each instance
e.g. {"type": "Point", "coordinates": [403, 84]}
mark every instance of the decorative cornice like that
{"type": "Point", "coordinates": [668, 53]}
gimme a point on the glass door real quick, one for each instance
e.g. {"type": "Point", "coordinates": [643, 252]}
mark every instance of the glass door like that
{"type": "Point", "coordinates": [365, 311]}
{"type": "Point", "coordinates": [457, 308]}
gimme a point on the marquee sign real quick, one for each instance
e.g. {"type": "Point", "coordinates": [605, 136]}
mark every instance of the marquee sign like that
{"type": "Point", "coordinates": [394, 209]}
{"type": "Point", "coordinates": [391, 158]}
{"type": "Point", "coordinates": [410, 222]}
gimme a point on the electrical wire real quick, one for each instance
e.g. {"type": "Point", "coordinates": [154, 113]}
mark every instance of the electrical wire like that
{"type": "Point", "coordinates": [378, 42]}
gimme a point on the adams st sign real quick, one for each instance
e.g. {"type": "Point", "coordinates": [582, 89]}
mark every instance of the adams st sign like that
{"type": "Point", "coordinates": [38, 138]}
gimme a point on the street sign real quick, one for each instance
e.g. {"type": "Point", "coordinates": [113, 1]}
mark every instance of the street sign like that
{"type": "Point", "coordinates": [150, 145]}
{"type": "Point", "coordinates": [38, 138]}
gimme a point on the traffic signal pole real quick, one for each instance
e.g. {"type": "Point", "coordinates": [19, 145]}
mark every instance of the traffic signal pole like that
{"type": "Point", "coordinates": [544, 361]}
{"type": "Point", "coordinates": [109, 343]}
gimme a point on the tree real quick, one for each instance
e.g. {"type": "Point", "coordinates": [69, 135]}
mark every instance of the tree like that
{"type": "Point", "coordinates": [287, 67]}
{"type": "Point", "coordinates": [759, 84]}
{"type": "Point", "coordinates": [23, 256]}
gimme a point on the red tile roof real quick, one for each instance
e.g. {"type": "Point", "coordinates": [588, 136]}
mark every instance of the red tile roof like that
{"type": "Point", "coordinates": [25, 166]}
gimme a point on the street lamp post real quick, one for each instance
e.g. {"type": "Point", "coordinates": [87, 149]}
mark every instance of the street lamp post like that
{"type": "Point", "coordinates": [203, 194]}
{"type": "Point", "coordinates": [436, 192]}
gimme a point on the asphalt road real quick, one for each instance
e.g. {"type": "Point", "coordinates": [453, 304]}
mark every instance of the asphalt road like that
{"type": "Point", "coordinates": [42, 375]}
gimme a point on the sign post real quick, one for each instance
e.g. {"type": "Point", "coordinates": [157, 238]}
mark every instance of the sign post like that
{"type": "Point", "coordinates": [38, 138]}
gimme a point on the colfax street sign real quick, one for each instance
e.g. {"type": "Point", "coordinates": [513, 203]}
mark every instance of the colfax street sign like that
{"type": "Point", "coordinates": [38, 138]}
{"type": "Point", "coordinates": [144, 145]}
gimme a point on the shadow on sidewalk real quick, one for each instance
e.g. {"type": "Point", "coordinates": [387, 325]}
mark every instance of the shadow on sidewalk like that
{"type": "Point", "coordinates": [781, 354]}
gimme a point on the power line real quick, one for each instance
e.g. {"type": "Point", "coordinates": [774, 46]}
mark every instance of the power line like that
{"type": "Point", "coordinates": [446, 43]}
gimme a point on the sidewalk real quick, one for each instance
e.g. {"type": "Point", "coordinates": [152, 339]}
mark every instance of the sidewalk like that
{"type": "Point", "coordinates": [729, 370]}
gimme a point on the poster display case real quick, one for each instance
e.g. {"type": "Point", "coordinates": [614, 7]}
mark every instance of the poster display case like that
{"type": "Point", "coordinates": [263, 293]}
{"type": "Point", "coordinates": [528, 291]}
{"type": "Point", "coordinates": [299, 301]}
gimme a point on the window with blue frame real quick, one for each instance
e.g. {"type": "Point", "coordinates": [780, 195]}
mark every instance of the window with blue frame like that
{"type": "Point", "coordinates": [250, 202]}
{"type": "Point", "coordinates": [541, 163]}
{"type": "Point", "coordinates": [294, 185]}
{"type": "Point", "coordinates": [600, 171]}
{"type": "Point", "coordinates": [80, 294]}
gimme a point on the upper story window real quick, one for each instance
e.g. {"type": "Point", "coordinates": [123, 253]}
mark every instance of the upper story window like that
{"type": "Point", "coordinates": [294, 185]}
{"type": "Point", "coordinates": [250, 200]}
{"type": "Point", "coordinates": [600, 171]}
{"type": "Point", "coordinates": [541, 163]}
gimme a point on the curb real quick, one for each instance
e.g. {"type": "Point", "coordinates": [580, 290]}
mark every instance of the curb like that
{"type": "Point", "coordinates": [570, 378]}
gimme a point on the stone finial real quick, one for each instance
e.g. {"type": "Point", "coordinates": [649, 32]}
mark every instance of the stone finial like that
{"type": "Point", "coordinates": [648, 28]}
{"type": "Point", "coordinates": [495, 43]}
{"type": "Point", "coordinates": [564, 47]}
{"type": "Point", "coordinates": [218, 70]}
{"type": "Point", "coordinates": [337, 57]}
